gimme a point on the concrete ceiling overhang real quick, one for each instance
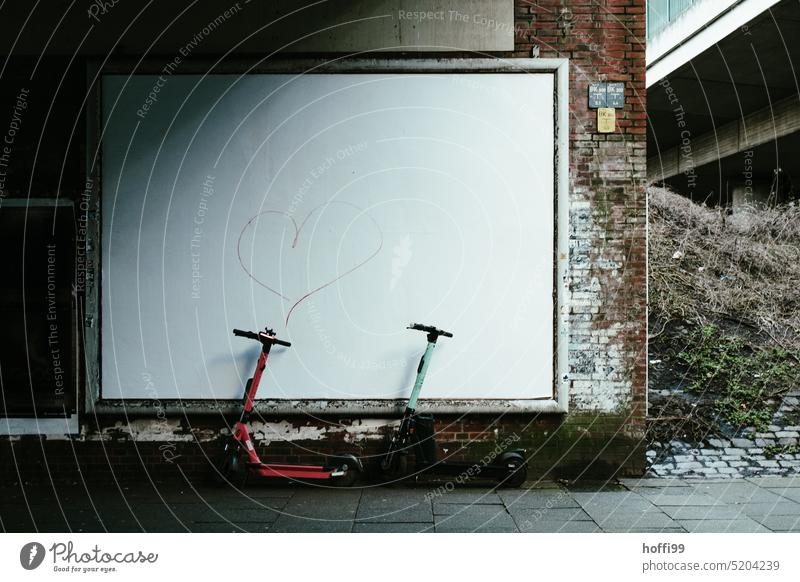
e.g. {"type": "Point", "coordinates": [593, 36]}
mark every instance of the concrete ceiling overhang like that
{"type": "Point", "coordinates": [99, 28]}
{"type": "Point", "coordinates": [749, 70]}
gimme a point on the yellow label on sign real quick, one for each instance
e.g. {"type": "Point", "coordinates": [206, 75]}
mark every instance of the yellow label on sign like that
{"type": "Point", "coordinates": [606, 120]}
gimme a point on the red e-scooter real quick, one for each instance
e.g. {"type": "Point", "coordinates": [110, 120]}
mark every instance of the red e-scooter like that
{"type": "Point", "coordinates": [342, 468]}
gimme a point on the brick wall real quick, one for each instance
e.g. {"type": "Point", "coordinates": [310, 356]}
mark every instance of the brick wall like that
{"type": "Point", "coordinates": [604, 42]}
{"type": "Point", "coordinates": [602, 434]}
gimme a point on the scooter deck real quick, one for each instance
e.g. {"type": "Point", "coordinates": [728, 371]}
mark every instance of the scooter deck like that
{"type": "Point", "coordinates": [473, 470]}
{"type": "Point", "coordinates": [295, 471]}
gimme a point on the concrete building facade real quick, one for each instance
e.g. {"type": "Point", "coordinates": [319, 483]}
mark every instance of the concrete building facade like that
{"type": "Point", "coordinates": [592, 425]}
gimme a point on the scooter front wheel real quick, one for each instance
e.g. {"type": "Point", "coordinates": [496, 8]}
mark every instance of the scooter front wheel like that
{"type": "Point", "coordinates": [230, 470]}
{"type": "Point", "coordinates": [397, 468]}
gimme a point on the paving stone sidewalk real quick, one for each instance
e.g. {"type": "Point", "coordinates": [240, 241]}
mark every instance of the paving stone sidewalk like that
{"type": "Point", "coordinates": [757, 504]}
{"type": "Point", "coordinates": [774, 451]}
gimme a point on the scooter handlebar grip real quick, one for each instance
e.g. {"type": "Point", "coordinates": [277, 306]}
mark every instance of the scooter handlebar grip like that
{"type": "Point", "coordinates": [447, 334]}
{"type": "Point", "coordinates": [420, 327]}
{"type": "Point", "coordinates": [282, 343]}
{"type": "Point", "coordinates": [247, 334]}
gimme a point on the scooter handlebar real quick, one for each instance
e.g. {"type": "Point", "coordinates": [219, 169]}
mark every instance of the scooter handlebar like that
{"type": "Point", "coordinates": [429, 329]}
{"type": "Point", "coordinates": [261, 337]}
{"type": "Point", "coordinates": [278, 342]}
{"type": "Point", "coordinates": [247, 334]}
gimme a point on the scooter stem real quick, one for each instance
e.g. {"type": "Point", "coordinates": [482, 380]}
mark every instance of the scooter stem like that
{"type": "Point", "coordinates": [422, 369]}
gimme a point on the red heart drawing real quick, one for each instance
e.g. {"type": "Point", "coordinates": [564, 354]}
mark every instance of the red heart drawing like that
{"type": "Point", "coordinates": [297, 231]}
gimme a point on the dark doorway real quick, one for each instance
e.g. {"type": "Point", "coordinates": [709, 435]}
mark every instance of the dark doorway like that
{"type": "Point", "coordinates": [37, 339]}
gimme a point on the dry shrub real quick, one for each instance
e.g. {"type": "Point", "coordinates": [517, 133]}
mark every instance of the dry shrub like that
{"type": "Point", "coordinates": [707, 265]}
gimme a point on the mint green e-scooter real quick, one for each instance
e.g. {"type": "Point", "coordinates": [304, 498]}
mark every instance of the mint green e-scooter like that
{"type": "Point", "coordinates": [416, 433]}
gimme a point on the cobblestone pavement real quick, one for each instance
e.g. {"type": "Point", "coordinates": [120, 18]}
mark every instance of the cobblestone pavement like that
{"type": "Point", "coordinates": [756, 504]}
{"type": "Point", "coordinates": [775, 451]}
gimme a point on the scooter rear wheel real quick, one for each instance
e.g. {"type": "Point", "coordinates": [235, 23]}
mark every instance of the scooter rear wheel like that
{"type": "Point", "coordinates": [348, 479]}
{"type": "Point", "coordinates": [517, 473]}
{"type": "Point", "coordinates": [353, 470]}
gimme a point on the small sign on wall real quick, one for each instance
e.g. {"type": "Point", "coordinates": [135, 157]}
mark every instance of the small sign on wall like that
{"type": "Point", "coordinates": [606, 98]}
{"type": "Point", "coordinates": [615, 95]}
{"type": "Point", "coordinates": [606, 120]}
{"type": "Point", "coordinates": [607, 95]}
{"type": "Point", "coordinates": [597, 95]}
